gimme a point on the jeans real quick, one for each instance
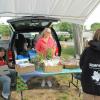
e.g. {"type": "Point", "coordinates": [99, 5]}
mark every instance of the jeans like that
{"type": "Point", "coordinates": [12, 75]}
{"type": "Point", "coordinates": [6, 81]}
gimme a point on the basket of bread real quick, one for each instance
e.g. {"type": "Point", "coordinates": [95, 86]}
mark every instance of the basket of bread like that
{"type": "Point", "coordinates": [72, 63]}
{"type": "Point", "coordinates": [23, 66]}
{"type": "Point", "coordinates": [52, 65]}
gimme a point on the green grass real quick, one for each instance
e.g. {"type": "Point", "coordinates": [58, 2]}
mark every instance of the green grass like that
{"type": "Point", "coordinates": [67, 52]}
{"type": "Point", "coordinates": [64, 93]}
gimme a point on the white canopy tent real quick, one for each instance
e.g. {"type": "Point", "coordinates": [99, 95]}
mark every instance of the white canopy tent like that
{"type": "Point", "coordinates": [75, 11]}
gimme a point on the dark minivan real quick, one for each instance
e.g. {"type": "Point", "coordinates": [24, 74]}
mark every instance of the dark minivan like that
{"type": "Point", "coordinates": [32, 25]}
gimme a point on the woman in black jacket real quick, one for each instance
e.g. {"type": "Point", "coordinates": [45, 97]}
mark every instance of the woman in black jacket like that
{"type": "Point", "coordinates": [90, 65]}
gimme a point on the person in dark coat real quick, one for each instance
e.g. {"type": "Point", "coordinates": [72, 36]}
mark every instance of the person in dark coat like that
{"type": "Point", "coordinates": [90, 65]}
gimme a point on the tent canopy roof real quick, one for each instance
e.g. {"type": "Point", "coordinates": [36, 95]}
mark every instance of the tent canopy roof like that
{"type": "Point", "coordinates": [75, 11]}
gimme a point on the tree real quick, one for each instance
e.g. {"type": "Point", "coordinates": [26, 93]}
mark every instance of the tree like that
{"type": "Point", "coordinates": [78, 39]}
{"type": "Point", "coordinates": [4, 30]}
{"type": "Point", "coordinates": [63, 26]}
{"type": "Point", "coordinates": [95, 26]}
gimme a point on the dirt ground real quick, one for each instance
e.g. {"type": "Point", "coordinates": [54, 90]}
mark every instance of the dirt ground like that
{"type": "Point", "coordinates": [59, 91]}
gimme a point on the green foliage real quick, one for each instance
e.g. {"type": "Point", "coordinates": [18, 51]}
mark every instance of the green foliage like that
{"type": "Point", "coordinates": [67, 52]}
{"type": "Point", "coordinates": [21, 85]}
{"type": "Point", "coordinates": [63, 37]}
{"type": "Point", "coordinates": [63, 26]}
{"type": "Point", "coordinates": [4, 30]}
{"type": "Point", "coordinates": [95, 26]}
{"type": "Point", "coordinates": [49, 54]}
{"type": "Point", "coordinates": [39, 58]}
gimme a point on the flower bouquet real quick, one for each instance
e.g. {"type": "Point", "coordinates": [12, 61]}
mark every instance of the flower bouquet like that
{"type": "Point", "coordinates": [51, 64]}
{"type": "Point", "coordinates": [38, 61]}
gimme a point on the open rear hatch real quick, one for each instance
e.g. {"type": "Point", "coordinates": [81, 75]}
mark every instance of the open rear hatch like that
{"type": "Point", "coordinates": [31, 23]}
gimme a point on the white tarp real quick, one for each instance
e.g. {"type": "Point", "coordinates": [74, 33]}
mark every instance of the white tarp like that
{"type": "Point", "coordinates": [75, 11]}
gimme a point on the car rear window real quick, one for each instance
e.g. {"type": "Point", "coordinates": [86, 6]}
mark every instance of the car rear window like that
{"type": "Point", "coordinates": [30, 24]}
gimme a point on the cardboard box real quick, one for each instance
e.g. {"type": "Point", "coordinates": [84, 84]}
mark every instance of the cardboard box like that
{"type": "Point", "coordinates": [73, 63]}
{"type": "Point", "coordinates": [57, 68]}
{"type": "Point", "coordinates": [70, 66]}
{"type": "Point", "coordinates": [23, 66]}
{"type": "Point", "coordinates": [25, 69]}
{"type": "Point", "coordinates": [52, 65]}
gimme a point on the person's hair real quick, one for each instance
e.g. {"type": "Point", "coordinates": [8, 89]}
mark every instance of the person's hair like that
{"type": "Point", "coordinates": [46, 30]}
{"type": "Point", "coordinates": [97, 35]}
{"type": "Point", "coordinates": [2, 49]}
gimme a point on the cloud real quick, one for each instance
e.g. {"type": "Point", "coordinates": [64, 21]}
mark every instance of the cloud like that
{"type": "Point", "coordinates": [4, 19]}
{"type": "Point", "coordinates": [94, 17]}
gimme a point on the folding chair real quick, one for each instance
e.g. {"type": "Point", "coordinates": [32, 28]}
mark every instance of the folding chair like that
{"type": "Point", "coordinates": [76, 76]}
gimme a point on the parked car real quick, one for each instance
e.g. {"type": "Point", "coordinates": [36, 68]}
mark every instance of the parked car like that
{"type": "Point", "coordinates": [0, 36]}
{"type": "Point", "coordinates": [30, 24]}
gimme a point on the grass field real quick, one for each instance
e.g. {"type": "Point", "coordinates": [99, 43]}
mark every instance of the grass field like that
{"type": "Point", "coordinates": [67, 52]}
{"type": "Point", "coordinates": [59, 91]}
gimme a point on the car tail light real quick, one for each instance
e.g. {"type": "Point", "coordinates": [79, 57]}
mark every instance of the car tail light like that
{"type": "Point", "coordinates": [2, 62]}
{"type": "Point", "coordinates": [10, 55]}
{"type": "Point", "coordinates": [56, 52]}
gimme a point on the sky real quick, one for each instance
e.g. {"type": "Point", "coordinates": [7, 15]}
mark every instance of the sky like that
{"type": "Point", "coordinates": [4, 19]}
{"type": "Point", "coordinates": [94, 17]}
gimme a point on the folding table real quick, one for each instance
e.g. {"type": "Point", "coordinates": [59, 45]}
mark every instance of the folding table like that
{"type": "Point", "coordinates": [40, 73]}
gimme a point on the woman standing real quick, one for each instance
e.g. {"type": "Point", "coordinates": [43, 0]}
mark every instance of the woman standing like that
{"type": "Point", "coordinates": [90, 65]}
{"type": "Point", "coordinates": [44, 43]}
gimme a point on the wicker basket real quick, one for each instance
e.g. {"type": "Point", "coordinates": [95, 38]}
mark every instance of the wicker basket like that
{"type": "Point", "coordinates": [70, 66]}
{"type": "Point", "coordinates": [26, 69]}
{"type": "Point", "coordinates": [72, 63]}
{"type": "Point", "coordinates": [52, 68]}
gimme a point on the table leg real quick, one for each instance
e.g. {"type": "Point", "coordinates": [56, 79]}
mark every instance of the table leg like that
{"type": "Point", "coordinates": [21, 92]}
{"type": "Point", "coordinates": [72, 82]}
{"type": "Point", "coordinates": [76, 85]}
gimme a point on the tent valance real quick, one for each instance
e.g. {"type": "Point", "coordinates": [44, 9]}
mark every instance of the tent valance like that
{"type": "Point", "coordinates": [75, 11]}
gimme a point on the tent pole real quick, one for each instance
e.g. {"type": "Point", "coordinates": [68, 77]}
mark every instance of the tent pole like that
{"type": "Point", "coordinates": [78, 39]}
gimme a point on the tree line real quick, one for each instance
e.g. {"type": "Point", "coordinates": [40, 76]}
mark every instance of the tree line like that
{"type": "Point", "coordinates": [62, 26]}
{"type": "Point", "coordinates": [4, 30]}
